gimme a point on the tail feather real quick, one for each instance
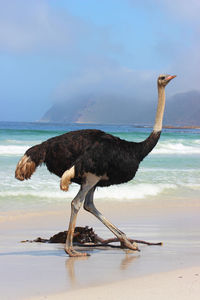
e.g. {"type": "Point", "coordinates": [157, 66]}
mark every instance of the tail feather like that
{"type": "Point", "coordinates": [25, 168]}
{"type": "Point", "coordinates": [33, 157]}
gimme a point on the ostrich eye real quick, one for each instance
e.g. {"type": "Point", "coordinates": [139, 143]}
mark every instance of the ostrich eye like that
{"type": "Point", "coordinates": [162, 78]}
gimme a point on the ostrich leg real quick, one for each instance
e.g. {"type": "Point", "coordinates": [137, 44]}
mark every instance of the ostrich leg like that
{"type": "Point", "coordinates": [90, 181]}
{"type": "Point", "coordinates": [89, 206]}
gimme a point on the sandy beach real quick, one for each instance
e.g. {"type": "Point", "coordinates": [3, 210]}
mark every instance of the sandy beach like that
{"type": "Point", "coordinates": [44, 271]}
{"type": "Point", "coordinates": [180, 284]}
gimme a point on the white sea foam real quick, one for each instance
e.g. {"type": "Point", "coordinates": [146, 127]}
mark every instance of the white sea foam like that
{"type": "Point", "coordinates": [193, 186]}
{"type": "Point", "coordinates": [127, 192]}
{"type": "Point", "coordinates": [12, 150]}
{"type": "Point", "coordinates": [161, 148]}
{"type": "Point", "coordinates": [22, 142]}
{"type": "Point", "coordinates": [132, 192]}
{"type": "Point", "coordinates": [175, 148]}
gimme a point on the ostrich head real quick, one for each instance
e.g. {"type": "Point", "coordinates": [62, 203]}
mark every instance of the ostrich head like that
{"type": "Point", "coordinates": [164, 79]}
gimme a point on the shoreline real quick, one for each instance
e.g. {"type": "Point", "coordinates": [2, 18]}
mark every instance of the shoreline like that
{"type": "Point", "coordinates": [111, 209]}
{"type": "Point", "coordinates": [178, 284]}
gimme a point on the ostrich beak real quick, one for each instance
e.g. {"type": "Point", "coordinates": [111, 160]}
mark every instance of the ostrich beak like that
{"type": "Point", "coordinates": [170, 77]}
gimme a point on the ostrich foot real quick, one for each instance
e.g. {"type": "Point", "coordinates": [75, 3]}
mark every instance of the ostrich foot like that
{"type": "Point", "coordinates": [73, 253]}
{"type": "Point", "coordinates": [132, 246]}
{"type": "Point", "coordinates": [66, 179]}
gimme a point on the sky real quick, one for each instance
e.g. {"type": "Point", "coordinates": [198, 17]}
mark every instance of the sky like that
{"type": "Point", "coordinates": [52, 50]}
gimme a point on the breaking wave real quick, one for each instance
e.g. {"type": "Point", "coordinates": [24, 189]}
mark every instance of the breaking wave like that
{"type": "Point", "coordinates": [12, 150]}
{"type": "Point", "coordinates": [176, 148]}
{"type": "Point", "coordinates": [126, 192]}
{"type": "Point", "coordinates": [161, 148]}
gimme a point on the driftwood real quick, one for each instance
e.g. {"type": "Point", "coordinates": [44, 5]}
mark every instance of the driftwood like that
{"type": "Point", "coordinates": [86, 237]}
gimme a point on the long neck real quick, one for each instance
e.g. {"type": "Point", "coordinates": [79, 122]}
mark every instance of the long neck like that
{"type": "Point", "coordinates": [143, 148]}
{"type": "Point", "coordinates": [160, 109]}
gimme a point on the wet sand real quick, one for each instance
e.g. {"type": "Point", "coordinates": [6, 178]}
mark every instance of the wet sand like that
{"type": "Point", "coordinates": [43, 271]}
{"type": "Point", "coordinates": [181, 284]}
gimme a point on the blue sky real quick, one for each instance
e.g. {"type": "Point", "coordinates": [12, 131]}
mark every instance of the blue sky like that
{"type": "Point", "coordinates": [50, 50]}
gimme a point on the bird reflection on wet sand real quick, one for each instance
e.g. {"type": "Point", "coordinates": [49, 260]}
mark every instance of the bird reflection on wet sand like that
{"type": "Point", "coordinates": [74, 276]}
{"type": "Point", "coordinates": [71, 267]}
{"type": "Point", "coordinates": [127, 260]}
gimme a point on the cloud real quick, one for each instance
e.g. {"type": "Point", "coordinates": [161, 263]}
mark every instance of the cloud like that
{"type": "Point", "coordinates": [34, 25]}
{"type": "Point", "coordinates": [187, 10]}
{"type": "Point", "coordinates": [106, 94]}
{"type": "Point", "coordinates": [117, 95]}
{"type": "Point", "coordinates": [90, 59]}
{"type": "Point", "coordinates": [176, 36]}
{"type": "Point", "coordinates": [108, 79]}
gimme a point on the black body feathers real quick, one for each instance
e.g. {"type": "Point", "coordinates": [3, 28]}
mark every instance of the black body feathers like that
{"type": "Point", "coordinates": [93, 151]}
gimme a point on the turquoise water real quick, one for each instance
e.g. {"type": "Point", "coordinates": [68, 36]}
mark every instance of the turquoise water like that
{"type": "Point", "coordinates": [171, 170]}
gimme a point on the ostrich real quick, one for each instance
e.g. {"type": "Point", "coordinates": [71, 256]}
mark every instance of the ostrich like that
{"type": "Point", "coordinates": [93, 158]}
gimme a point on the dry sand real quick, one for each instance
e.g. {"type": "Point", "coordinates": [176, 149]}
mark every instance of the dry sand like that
{"type": "Point", "coordinates": [43, 271]}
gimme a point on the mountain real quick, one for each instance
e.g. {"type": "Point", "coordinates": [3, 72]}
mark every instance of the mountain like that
{"type": "Point", "coordinates": [182, 109]}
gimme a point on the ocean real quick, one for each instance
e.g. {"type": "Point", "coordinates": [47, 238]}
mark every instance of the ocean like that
{"type": "Point", "coordinates": [171, 170]}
